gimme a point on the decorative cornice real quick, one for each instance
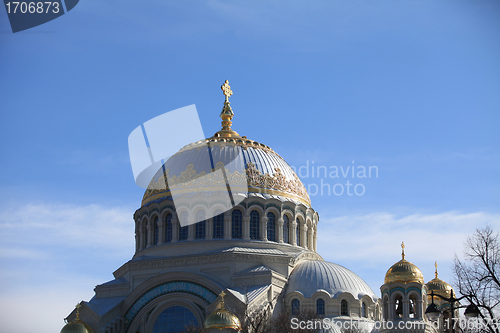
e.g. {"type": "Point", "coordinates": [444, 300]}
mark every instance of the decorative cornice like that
{"type": "Point", "coordinates": [206, 258]}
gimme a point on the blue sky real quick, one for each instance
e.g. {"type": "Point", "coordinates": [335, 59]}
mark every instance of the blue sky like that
{"type": "Point", "coordinates": [411, 87]}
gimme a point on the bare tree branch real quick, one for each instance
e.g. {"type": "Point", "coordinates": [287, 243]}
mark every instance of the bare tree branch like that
{"type": "Point", "coordinates": [477, 277]}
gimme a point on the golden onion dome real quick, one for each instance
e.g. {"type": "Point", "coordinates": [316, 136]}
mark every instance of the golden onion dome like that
{"type": "Point", "coordinates": [404, 271]}
{"type": "Point", "coordinates": [439, 286]}
{"type": "Point", "coordinates": [77, 325]}
{"type": "Point", "coordinates": [222, 318]}
{"type": "Point", "coordinates": [249, 167]}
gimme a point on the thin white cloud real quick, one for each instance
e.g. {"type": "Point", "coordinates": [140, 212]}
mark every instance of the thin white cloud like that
{"type": "Point", "coordinates": [381, 233]}
{"type": "Point", "coordinates": [46, 251]}
{"type": "Point", "coordinates": [369, 244]}
{"type": "Point", "coordinates": [71, 226]}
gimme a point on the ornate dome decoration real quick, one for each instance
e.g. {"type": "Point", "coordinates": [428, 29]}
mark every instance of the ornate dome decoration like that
{"type": "Point", "coordinates": [77, 325]}
{"type": "Point", "coordinates": [250, 167]}
{"type": "Point", "coordinates": [310, 276]}
{"type": "Point", "coordinates": [222, 318]}
{"type": "Point", "coordinates": [404, 271]}
{"type": "Point", "coordinates": [439, 286]}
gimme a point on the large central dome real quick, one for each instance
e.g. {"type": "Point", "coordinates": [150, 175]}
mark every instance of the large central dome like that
{"type": "Point", "coordinates": [252, 165]}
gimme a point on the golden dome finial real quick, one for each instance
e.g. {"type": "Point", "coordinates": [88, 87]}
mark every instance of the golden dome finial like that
{"type": "Point", "coordinates": [403, 250]}
{"type": "Point", "coordinates": [78, 306]}
{"type": "Point", "coordinates": [436, 265]}
{"type": "Point", "coordinates": [226, 90]}
{"type": "Point", "coordinates": [222, 294]}
{"type": "Point", "coordinates": [226, 113]}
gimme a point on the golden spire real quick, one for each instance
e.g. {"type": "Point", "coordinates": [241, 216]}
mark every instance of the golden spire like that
{"type": "Point", "coordinates": [227, 113]}
{"type": "Point", "coordinates": [436, 265]}
{"type": "Point", "coordinates": [403, 250]}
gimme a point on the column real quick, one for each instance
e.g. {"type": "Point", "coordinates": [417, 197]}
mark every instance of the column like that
{"type": "Point", "coordinates": [175, 229]}
{"type": "Point", "coordinates": [137, 237]}
{"type": "Point", "coordinates": [304, 235]}
{"type": "Point", "coordinates": [293, 234]}
{"type": "Point", "coordinates": [191, 227]}
{"type": "Point", "coordinates": [406, 309]}
{"type": "Point", "coordinates": [418, 309]}
{"type": "Point", "coordinates": [227, 225]}
{"type": "Point", "coordinates": [209, 228]}
{"type": "Point", "coordinates": [315, 237]}
{"type": "Point", "coordinates": [280, 230]}
{"type": "Point", "coordinates": [392, 311]}
{"type": "Point", "coordinates": [263, 228]}
{"type": "Point", "coordinates": [246, 227]}
{"type": "Point", "coordinates": [148, 234]}
{"type": "Point", "coordinates": [161, 230]}
{"type": "Point", "coordinates": [310, 240]}
{"type": "Point", "coordinates": [142, 230]}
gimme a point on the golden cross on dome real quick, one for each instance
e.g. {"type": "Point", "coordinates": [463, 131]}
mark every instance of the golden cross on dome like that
{"type": "Point", "coordinates": [78, 306]}
{"type": "Point", "coordinates": [403, 250]}
{"type": "Point", "coordinates": [222, 294]}
{"type": "Point", "coordinates": [226, 89]}
{"type": "Point", "coordinates": [436, 265]}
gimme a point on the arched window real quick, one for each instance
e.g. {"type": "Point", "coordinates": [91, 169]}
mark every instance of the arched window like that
{"type": "Point", "coordinates": [297, 232]}
{"type": "Point", "coordinates": [363, 310]}
{"type": "Point", "coordinates": [285, 229]}
{"type": "Point", "coordinates": [155, 230]}
{"type": "Point", "coordinates": [271, 227]}
{"type": "Point", "coordinates": [218, 232]}
{"type": "Point", "coordinates": [399, 306]}
{"type": "Point", "coordinates": [200, 225]}
{"type": "Point", "coordinates": [236, 224]}
{"type": "Point", "coordinates": [168, 228]}
{"type": "Point", "coordinates": [183, 231]}
{"type": "Point", "coordinates": [386, 309]}
{"type": "Point", "coordinates": [413, 306]}
{"type": "Point", "coordinates": [174, 319]}
{"type": "Point", "coordinates": [320, 307]}
{"type": "Point", "coordinates": [295, 307]}
{"type": "Point", "coordinates": [344, 310]}
{"type": "Point", "coordinates": [254, 224]}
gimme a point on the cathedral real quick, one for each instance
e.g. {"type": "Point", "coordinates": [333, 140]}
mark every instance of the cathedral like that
{"type": "Point", "coordinates": [226, 229]}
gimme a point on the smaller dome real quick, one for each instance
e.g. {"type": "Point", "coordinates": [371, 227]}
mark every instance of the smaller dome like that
{"type": "Point", "coordinates": [439, 286]}
{"type": "Point", "coordinates": [77, 325]}
{"type": "Point", "coordinates": [222, 318]}
{"type": "Point", "coordinates": [310, 276]}
{"type": "Point", "coordinates": [404, 271]}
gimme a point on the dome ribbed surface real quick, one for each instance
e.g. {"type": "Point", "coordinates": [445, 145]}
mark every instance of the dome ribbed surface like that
{"type": "Point", "coordinates": [404, 271]}
{"type": "Point", "coordinates": [310, 276]}
{"type": "Point", "coordinates": [222, 319]}
{"type": "Point", "coordinates": [252, 165]}
{"type": "Point", "coordinates": [77, 327]}
{"type": "Point", "coordinates": [439, 287]}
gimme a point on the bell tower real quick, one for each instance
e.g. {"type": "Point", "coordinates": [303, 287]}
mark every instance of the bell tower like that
{"type": "Point", "coordinates": [404, 297]}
